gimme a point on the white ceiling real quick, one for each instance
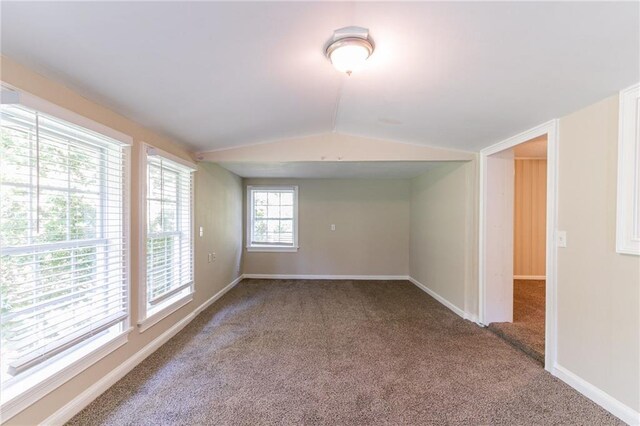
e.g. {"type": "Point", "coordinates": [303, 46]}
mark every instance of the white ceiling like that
{"type": "Point", "coordinates": [332, 169]}
{"type": "Point", "coordinates": [214, 75]}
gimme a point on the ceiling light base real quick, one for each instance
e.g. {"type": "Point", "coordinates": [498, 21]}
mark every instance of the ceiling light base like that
{"type": "Point", "coordinates": [350, 48]}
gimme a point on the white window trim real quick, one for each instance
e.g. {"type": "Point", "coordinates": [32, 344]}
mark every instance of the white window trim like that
{"type": "Point", "coordinates": [628, 208]}
{"type": "Point", "coordinates": [68, 365]}
{"type": "Point", "coordinates": [31, 101]}
{"type": "Point", "coordinates": [145, 322]}
{"type": "Point", "coordinates": [249, 212]}
{"type": "Point", "coordinates": [163, 313]}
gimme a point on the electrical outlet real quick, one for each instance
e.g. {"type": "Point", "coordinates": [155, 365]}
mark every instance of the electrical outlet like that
{"type": "Point", "coordinates": [562, 238]}
{"type": "Point", "coordinates": [209, 257]}
{"type": "Point", "coordinates": [213, 257]}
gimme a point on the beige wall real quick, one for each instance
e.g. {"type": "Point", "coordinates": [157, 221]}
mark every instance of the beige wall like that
{"type": "Point", "coordinates": [217, 208]}
{"type": "Point", "coordinates": [443, 233]}
{"type": "Point", "coordinates": [371, 236]}
{"type": "Point", "coordinates": [334, 147]}
{"type": "Point", "coordinates": [598, 289]}
{"type": "Point", "coordinates": [530, 221]}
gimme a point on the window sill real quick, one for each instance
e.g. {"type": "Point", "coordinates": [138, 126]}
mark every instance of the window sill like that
{"type": "Point", "coordinates": [163, 313]}
{"type": "Point", "coordinates": [272, 249]}
{"type": "Point", "coordinates": [25, 392]}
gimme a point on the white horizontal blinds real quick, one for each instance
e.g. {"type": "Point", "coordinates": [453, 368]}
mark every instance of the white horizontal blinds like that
{"type": "Point", "coordinates": [62, 247]}
{"type": "Point", "coordinates": [273, 217]}
{"type": "Point", "coordinates": [169, 225]}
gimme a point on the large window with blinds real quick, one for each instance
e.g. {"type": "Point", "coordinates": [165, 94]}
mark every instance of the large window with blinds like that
{"type": "Point", "coordinates": [272, 218]}
{"type": "Point", "coordinates": [63, 243]}
{"type": "Point", "coordinates": [169, 231]}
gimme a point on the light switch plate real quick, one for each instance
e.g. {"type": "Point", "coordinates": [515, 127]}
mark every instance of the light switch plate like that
{"type": "Point", "coordinates": [333, 227]}
{"type": "Point", "coordinates": [201, 231]}
{"type": "Point", "coordinates": [562, 238]}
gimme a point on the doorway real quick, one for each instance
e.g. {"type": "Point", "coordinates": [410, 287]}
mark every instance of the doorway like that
{"type": "Point", "coordinates": [526, 331]}
{"type": "Point", "coordinates": [517, 241]}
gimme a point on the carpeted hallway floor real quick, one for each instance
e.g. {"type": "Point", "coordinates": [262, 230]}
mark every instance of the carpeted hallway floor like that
{"type": "Point", "coordinates": [337, 352]}
{"type": "Point", "coordinates": [526, 332]}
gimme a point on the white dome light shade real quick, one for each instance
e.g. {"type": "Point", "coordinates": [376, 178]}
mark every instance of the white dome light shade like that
{"type": "Point", "coordinates": [349, 54]}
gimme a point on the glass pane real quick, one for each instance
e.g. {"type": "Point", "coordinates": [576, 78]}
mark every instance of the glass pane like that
{"type": "Point", "coordinates": [154, 189]}
{"type": "Point", "coordinates": [14, 216]}
{"type": "Point", "coordinates": [169, 216]}
{"type": "Point", "coordinates": [85, 168]}
{"type": "Point", "coordinates": [154, 216]}
{"type": "Point", "coordinates": [53, 164]}
{"type": "Point", "coordinates": [260, 198]}
{"type": "Point", "coordinates": [53, 216]}
{"type": "Point", "coordinates": [83, 217]}
{"type": "Point", "coordinates": [273, 212]}
{"type": "Point", "coordinates": [260, 211]}
{"type": "Point", "coordinates": [286, 212]}
{"type": "Point", "coordinates": [273, 227]}
{"type": "Point", "coordinates": [286, 226]}
{"type": "Point", "coordinates": [286, 199]}
{"type": "Point", "coordinates": [273, 198]}
{"type": "Point", "coordinates": [260, 230]}
{"type": "Point", "coordinates": [15, 156]}
{"type": "Point", "coordinates": [170, 186]}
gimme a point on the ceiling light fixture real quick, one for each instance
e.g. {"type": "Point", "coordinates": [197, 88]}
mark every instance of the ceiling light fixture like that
{"type": "Point", "coordinates": [349, 49]}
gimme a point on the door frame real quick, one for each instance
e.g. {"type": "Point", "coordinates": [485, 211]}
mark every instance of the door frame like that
{"type": "Point", "coordinates": [550, 129]}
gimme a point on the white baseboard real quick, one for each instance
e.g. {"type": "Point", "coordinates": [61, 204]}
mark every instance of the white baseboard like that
{"type": "Point", "coordinates": [530, 277]}
{"type": "Point", "coordinates": [76, 405]}
{"type": "Point", "coordinates": [472, 318]}
{"type": "Point", "coordinates": [325, 277]}
{"type": "Point", "coordinates": [440, 299]}
{"type": "Point", "coordinates": [597, 395]}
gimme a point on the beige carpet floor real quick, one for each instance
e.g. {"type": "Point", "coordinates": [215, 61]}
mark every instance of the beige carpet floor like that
{"type": "Point", "coordinates": [526, 332]}
{"type": "Point", "coordinates": [337, 353]}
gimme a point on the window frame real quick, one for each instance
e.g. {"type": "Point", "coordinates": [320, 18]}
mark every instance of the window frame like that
{"type": "Point", "coordinates": [59, 369]}
{"type": "Point", "coordinates": [250, 219]}
{"type": "Point", "coordinates": [628, 197]}
{"type": "Point", "coordinates": [172, 304]}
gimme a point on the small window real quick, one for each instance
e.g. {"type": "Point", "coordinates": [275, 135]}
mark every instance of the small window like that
{"type": "Point", "coordinates": [169, 233]}
{"type": "Point", "coordinates": [63, 244]}
{"type": "Point", "coordinates": [272, 218]}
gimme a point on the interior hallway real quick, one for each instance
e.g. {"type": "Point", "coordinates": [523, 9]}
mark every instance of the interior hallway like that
{"type": "Point", "coordinates": [337, 352]}
{"type": "Point", "coordinates": [526, 332]}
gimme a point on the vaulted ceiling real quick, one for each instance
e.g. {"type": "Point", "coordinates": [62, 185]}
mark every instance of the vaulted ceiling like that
{"type": "Point", "coordinates": [219, 75]}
